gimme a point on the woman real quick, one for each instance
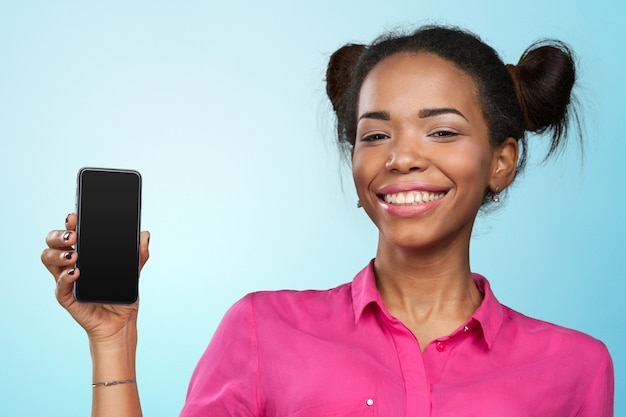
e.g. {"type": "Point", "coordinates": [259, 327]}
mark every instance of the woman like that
{"type": "Point", "coordinates": [435, 126]}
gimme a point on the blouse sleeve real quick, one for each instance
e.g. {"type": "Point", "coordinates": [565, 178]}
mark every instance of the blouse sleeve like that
{"type": "Point", "coordinates": [599, 400]}
{"type": "Point", "coordinates": [224, 382]}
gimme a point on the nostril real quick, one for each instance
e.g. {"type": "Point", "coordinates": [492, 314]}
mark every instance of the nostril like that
{"type": "Point", "coordinates": [406, 160]}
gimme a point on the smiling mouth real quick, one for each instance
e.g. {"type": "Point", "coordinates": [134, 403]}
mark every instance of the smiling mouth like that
{"type": "Point", "coordinates": [411, 197]}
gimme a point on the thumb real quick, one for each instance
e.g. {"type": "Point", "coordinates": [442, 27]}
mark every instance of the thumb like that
{"type": "Point", "coordinates": [144, 253]}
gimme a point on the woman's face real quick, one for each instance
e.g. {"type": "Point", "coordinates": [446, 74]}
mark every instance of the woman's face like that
{"type": "Point", "coordinates": [422, 160]}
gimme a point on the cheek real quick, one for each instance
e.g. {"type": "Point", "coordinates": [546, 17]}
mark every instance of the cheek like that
{"type": "Point", "coordinates": [360, 168]}
{"type": "Point", "coordinates": [367, 166]}
{"type": "Point", "coordinates": [358, 174]}
{"type": "Point", "coordinates": [471, 164]}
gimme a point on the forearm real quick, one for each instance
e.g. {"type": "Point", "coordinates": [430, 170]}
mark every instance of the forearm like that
{"type": "Point", "coordinates": [114, 360]}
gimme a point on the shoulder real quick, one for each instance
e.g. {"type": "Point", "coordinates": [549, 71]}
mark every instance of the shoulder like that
{"type": "Point", "coordinates": [580, 365]}
{"type": "Point", "coordinates": [553, 340]}
{"type": "Point", "coordinates": [290, 305]}
{"type": "Point", "coordinates": [267, 315]}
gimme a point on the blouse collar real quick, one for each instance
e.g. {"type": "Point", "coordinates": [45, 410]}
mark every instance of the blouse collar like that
{"type": "Point", "coordinates": [489, 314]}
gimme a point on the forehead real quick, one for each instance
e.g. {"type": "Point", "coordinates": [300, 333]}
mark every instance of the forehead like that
{"type": "Point", "coordinates": [422, 79]}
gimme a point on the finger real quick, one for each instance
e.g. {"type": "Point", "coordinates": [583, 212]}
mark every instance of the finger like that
{"type": "Point", "coordinates": [144, 253]}
{"type": "Point", "coordinates": [65, 285]}
{"type": "Point", "coordinates": [57, 260]}
{"type": "Point", "coordinates": [61, 239]}
{"type": "Point", "coordinates": [70, 221]}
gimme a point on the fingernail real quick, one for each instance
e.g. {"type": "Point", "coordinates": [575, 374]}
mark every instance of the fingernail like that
{"type": "Point", "coordinates": [66, 235]}
{"type": "Point", "coordinates": [68, 255]}
{"type": "Point", "coordinates": [67, 218]}
{"type": "Point", "coordinates": [71, 271]}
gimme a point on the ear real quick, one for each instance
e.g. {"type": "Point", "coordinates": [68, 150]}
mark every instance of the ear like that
{"type": "Point", "coordinates": [504, 165]}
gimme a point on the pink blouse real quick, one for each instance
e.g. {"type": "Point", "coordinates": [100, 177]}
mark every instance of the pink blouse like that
{"type": "Point", "coordinates": [340, 353]}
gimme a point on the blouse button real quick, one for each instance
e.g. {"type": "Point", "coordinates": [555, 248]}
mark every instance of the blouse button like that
{"type": "Point", "coordinates": [441, 346]}
{"type": "Point", "coordinates": [369, 402]}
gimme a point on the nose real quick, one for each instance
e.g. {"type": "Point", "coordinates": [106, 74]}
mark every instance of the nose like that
{"type": "Point", "coordinates": [406, 155]}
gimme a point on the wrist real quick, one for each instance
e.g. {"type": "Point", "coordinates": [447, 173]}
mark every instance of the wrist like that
{"type": "Point", "coordinates": [125, 339]}
{"type": "Point", "coordinates": [113, 358]}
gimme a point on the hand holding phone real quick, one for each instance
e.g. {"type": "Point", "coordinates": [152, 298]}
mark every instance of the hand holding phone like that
{"type": "Point", "coordinates": [104, 323]}
{"type": "Point", "coordinates": [109, 216]}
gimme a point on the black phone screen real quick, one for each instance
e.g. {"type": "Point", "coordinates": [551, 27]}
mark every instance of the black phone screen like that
{"type": "Point", "coordinates": [109, 211]}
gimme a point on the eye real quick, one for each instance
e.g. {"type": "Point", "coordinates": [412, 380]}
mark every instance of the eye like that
{"type": "Point", "coordinates": [443, 135]}
{"type": "Point", "coordinates": [374, 137]}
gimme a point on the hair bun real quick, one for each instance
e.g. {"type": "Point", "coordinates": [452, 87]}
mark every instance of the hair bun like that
{"type": "Point", "coordinates": [339, 72]}
{"type": "Point", "coordinates": [544, 78]}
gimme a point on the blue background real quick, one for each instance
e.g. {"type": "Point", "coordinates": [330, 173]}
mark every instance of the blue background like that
{"type": "Point", "coordinates": [222, 108]}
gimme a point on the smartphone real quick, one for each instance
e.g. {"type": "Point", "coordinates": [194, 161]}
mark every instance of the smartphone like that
{"type": "Point", "coordinates": [108, 204]}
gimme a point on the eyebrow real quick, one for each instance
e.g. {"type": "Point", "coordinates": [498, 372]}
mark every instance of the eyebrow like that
{"type": "Point", "coordinates": [425, 113]}
{"type": "Point", "coordinates": [422, 114]}
{"type": "Point", "coordinates": [378, 115]}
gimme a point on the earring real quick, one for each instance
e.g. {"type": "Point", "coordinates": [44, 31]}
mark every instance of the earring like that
{"type": "Point", "coordinates": [358, 204]}
{"type": "Point", "coordinates": [496, 195]}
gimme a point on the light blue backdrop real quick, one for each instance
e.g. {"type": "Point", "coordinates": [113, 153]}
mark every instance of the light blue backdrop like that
{"type": "Point", "coordinates": [222, 109]}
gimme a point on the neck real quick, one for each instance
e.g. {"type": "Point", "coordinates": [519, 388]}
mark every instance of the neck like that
{"type": "Point", "coordinates": [423, 272]}
{"type": "Point", "coordinates": [430, 290]}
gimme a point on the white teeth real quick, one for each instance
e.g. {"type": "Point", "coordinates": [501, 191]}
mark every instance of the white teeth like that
{"type": "Point", "coordinates": [412, 197]}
